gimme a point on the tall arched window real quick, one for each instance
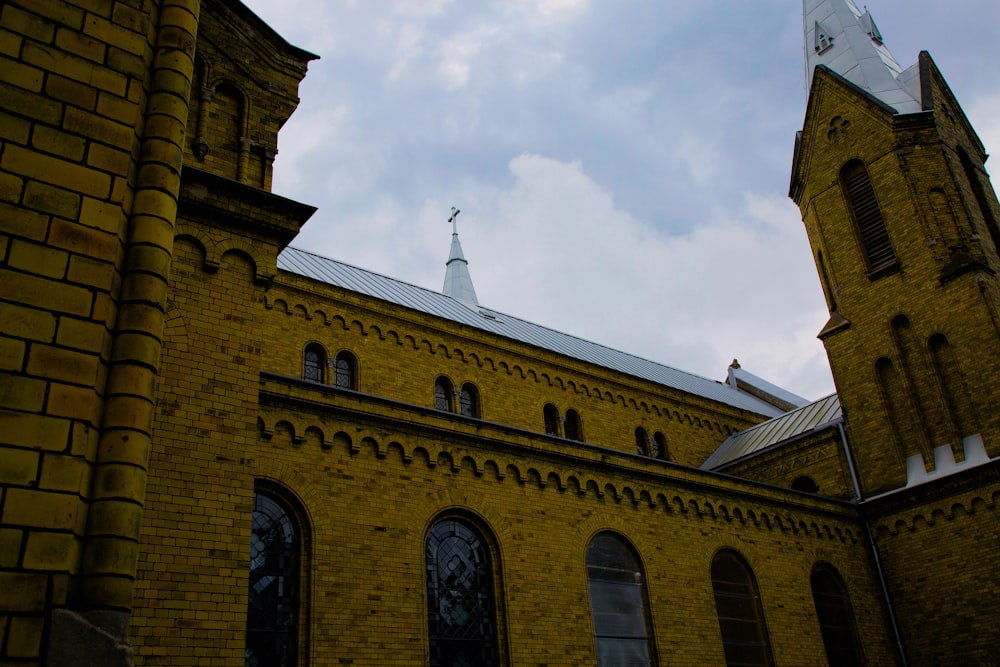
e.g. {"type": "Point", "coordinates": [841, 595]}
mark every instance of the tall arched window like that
{"type": "Point", "coordinates": [982, 200]}
{"type": "Point", "coordinates": [468, 401]}
{"type": "Point", "coordinates": [461, 612]}
{"type": "Point", "coordinates": [660, 442]}
{"type": "Point", "coordinates": [551, 417]}
{"type": "Point", "coordinates": [741, 616]}
{"type": "Point", "coordinates": [641, 441]}
{"type": "Point", "coordinates": [314, 361]}
{"type": "Point", "coordinates": [872, 232]}
{"type": "Point", "coordinates": [273, 605]}
{"type": "Point", "coordinates": [573, 427]}
{"type": "Point", "coordinates": [618, 605]}
{"type": "Point", "coordinates": [836, 622]}
{"type": "Point", "coordinates": [345, 371]}
{"type": "Point", "coordinates": [442, 394]}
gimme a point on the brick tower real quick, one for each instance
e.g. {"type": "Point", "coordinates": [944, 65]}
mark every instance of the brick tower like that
{"type": "Point", "coordinates": [903, 223]}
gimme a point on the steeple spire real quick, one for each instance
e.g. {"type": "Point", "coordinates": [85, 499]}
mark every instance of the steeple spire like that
{"type": "Point", "coordinates": [457, 281]}
{"type": "Point", "coordinates": [845, 39]}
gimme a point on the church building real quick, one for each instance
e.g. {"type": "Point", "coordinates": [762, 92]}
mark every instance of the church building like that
{"type": "Point", "coordinates": [218, 449]}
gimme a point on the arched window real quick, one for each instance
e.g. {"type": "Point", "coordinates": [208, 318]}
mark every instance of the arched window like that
{"type": "Point", "coordinates": [461, 613]}
{"type": "Point", "coordinates": [641, 441]}
{"type": "Point", "coordinates": [345, 371]}
{"type": "Point", "coordinates": [806, 484]}
{"type": "Point", "coordinates": [872, 232]}
{"type": "Point", "coordinates": [468, 401]}
{"type": "Point", "coordinates": [660, 443]}
{"type": "Point", "coordinates": [618, 605]}
{"type": "Point", "coordinates": [442, 394]}
{"type": "Point", "coordinates": [741, 616]}
{"type": "Point", "coordinates": [836, 622]}
{"type": "Point", "coordinates": [314, 361]}
{"type": "Point", "coordinates": [273, 605]}
{"type": "Point", "coordinates": [573, 427]}
{"type": "Point", "coordinates": [551, 417]}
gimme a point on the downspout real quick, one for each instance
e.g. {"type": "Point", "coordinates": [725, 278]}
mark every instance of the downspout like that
{"type": "Point", "coordinates": [118, 484]}
{"type": "Point", "coordinates": [874, 548]}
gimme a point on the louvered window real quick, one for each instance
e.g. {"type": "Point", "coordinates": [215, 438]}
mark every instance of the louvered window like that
{"type": "Point", "coordinates": [872, 232]}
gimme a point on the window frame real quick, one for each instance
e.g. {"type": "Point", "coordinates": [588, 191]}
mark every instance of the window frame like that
{"type": "Point", "coordinates": [842, 638]}
{"type": "Point", "coordinates": [729, 592]}
{"type": "Point", "coordinates": [468, 401]}
{"type": "Point", "coordinates": [345, 364]}
{"type": "Point", "coordinates": [444, 389]}
{"type": "Point", "coordinates": [573, 426]}
{"type": "Point", "coordinates": [318, 366]}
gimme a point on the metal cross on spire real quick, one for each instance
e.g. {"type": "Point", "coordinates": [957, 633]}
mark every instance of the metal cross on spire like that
{"type": "Point", "coordinates": [454, 220]}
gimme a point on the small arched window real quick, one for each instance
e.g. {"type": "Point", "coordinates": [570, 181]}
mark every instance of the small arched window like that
{"type": "Point", "coordinates": [314, 361]}
{"type": "Point", "coordinates": [806, 484]}
{"type": "Point", "coordinates": [345, 371]}
{"type": "Point", "coordinates": [836, 622]}
{"type": "Point", "coordinates": [741, 616]}
{"type": "Point", "coordinates": [461, 612]}
{"type": "Point", "coordinates": [273, 605]}
{"type": "Point", "coordinates": [551, 417]}
{"type": "Point", "coordinates": [619, 608]}
{"type": "Point", "coordinates": [468, 401]}
{"type": "Point", "coordinates": [872, 232]}
{"type": "Point", "coordinates": [442, 394]}
{"type": "Point", "coordinates": [641, 441]}
{"type": "Point", "coordinates": [573, 427]}
{"type": "Point", "coordinates": [660, 444]}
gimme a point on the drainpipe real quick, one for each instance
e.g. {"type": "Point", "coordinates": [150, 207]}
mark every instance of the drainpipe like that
{"type": "Point", "coordinates": [879, 570]}
{"type": "Point", "coordinates": [118, 483]}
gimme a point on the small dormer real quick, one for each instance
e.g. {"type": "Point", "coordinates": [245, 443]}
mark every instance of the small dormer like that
{"type": "Point", "coordinates": [244, 89]}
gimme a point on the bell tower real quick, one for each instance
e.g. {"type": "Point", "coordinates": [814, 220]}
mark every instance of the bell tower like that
{"type": "Point", "coordinates": [903, 223]}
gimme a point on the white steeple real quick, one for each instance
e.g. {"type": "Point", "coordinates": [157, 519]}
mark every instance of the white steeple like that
{"type": "Point", "coordinates": [845, 39]}
{"type": "Point", "coordinates": [457, 281]}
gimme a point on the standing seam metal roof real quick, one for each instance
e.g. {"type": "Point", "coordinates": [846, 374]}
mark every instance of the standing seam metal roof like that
{"type": "Point", "coordinates": [372, 284]}
{"type": "Point", "coordinates": [817, 415]}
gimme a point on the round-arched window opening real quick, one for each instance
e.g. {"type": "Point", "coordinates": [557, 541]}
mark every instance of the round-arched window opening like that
{"type": "Point", "coordinates": [805, 484]}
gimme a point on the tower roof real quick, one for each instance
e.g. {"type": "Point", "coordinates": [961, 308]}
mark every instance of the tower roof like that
{"type": "Point", "coordinates": [457, 280]}
{"type": "Point", "coordinates": [846, 40]}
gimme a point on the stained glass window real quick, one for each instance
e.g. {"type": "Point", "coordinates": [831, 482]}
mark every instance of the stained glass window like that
{"type": "Point", "coordinates": [273, 605]}
{"type": "Point", "coordinates": [343, 376]}
{"type": "Point", "coordinates": [442, 395]}
{"type": "Point", "coordinates": [741, 616]}
{"type": "Point", "coordinates": [469, 401]}
{"type": "Point", "coordinates": [314, 362]}
{"type": "Point", "coordinates": [618, 606]}
{"type": "Point", "coordinates": [460, 604]}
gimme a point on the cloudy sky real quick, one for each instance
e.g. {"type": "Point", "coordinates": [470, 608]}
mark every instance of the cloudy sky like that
{"type": "Point", "coordinates": [622, 166]}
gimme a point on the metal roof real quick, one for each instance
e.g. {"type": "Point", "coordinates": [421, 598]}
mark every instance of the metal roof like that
{"type": "Point", "coordinates": [818, 415]}
{"type": "Point", "coordinates": [426, 301]}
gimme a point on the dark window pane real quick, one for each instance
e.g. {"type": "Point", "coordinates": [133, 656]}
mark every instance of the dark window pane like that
{"type": "Point", "coordinates": [834, 615]}
{"type": "Point", "coordinates": [551, 420]}
{"type": "Point", "coordinates": [314, 362]}
{"type": "Point", "coordinates": [468, 405]}
{"type": "Point", "coordinates": [741, 617]}
{"type": "Point", "coordinates": [442, 395]}
{"type": "Point", "coordinates": [273, 604]}
{"type": "Point", "coordinates": [572, 426]}
{"type": "Point", "coordinates": [871, 227]}
{"type": "Point", "coordinates": [344, 372]}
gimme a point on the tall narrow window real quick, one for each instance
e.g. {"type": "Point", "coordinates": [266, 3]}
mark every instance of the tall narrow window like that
{"type": "Point", "coordinates": [313, 363]}
{"type": "Point", "coordinates": [573, 426]}
{"type": "Point", "coordinates": [442, 394]}
{"type": "Point", "coordinates": [468, 401]}
{"type": "Point", "coordinates": [872, 232]}
{"type": "Point", "coordinates": [551, 417]}
{"type": "Point", "coordinates": [618, 605]}
{"type": "Point", "coordinates": [641, 441]}
{"type": "Point", "coordinates": [660, 444]}
{"type": "Point", "coordinates": [273, 604]}
{"type": "Point", "coordinates": [741, 616]}
{"type": "Point", "coordinates": [345, 371]}
{"type": "Point", "coordinates": [982, 200]}
{"type": "Point", "coordinates": [460, 602]}
{"type": "Point", "coordinates": [833, 611]}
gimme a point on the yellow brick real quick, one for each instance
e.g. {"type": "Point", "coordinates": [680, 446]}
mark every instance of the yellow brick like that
{"type": "Point", "coordinates": [59, 12]}
{"type": "Point", "coordinates": [29, 104]}
{"type": "Point", "coordinates": [30, 25]}
{"type": "Point", "coordinates": [18, 221]}
{"type": "Point", "coordinates": [40, 260]}
{"type": "Point", "coordinates": [41, 509]}
{"type": "Point", "coordinates": [10, 43]}
{"type": "Point", "coordinates": [59, 143]}
{"type": "Point", "coordinates": [53, 170]}
{"type": "Point", "coordinates": [25, 637]}
{"type": "Point", "coordinates": [82, 335]}
{"type": "Point", "coordinates": [22, 591]}
{"type": "Point", "coordinates": [119, 109]}
{"type": "Point", "coordinates": [85, 240]}
{"type": "Point", "coordinates": [11, 354]}
{"type": "Point", "coordinates": [70, 91]}
{"type": "Point", "coordinates": [26, 322]}
{"type": "Point", "coordinates": [22, 76]}
{"type": "Point", "coordinates": [14, 129]}
{"type": "Point", "coordinates": [27, 430]}
{"type": "Point", "coordinates": [10, 546]}
{"type": "Point", "coordinates": [88, 271]}
{"type": "Point", "coordinates": [22, 393]}
{"type": "Point", "coordinates": [10, 187]}
{"type": "Point", "coordinates": [81, 45]}
{"type": "Point", "coordinates": [106, 31]}
{"type": "Point", "coordinates": [19, 466]}
{"type": "Point", "coordinates": [65, 473]}
{"type": "Point", "coordinates": [50, 199]}
{"type": "Point", "coordinates": [73, 67]}
{"type": "Point", "coordinates": [51, 551]}
{"type": "Point", "coordinates": [62, 364]}
{"type": "Point", "coordinates": [97, 128]}
{"type": "Point", "coordinates": [74, 402]}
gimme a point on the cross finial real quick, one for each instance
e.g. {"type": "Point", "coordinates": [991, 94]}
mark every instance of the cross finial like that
{"type": "Point", "coordinates": [454, 220]}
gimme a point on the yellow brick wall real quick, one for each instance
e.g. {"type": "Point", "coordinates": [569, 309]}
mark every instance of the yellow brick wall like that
{"type": "Point", "coordinates": [72, 88]}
